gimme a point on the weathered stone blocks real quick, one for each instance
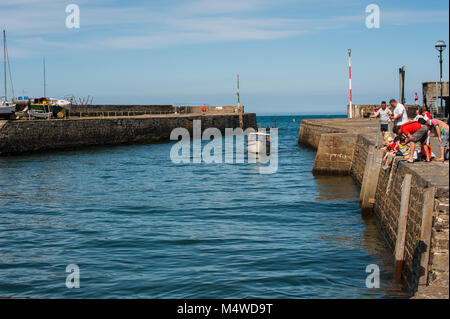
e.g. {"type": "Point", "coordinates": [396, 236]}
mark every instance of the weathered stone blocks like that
{"type": "Point", "coordinates": [18, 137]}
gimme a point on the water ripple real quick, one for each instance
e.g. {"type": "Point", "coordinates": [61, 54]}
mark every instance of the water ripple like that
{"type": "Point", "coordinates": [139, 226]}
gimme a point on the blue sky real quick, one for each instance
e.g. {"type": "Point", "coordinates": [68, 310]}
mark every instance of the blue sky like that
{"type": "Point", "coordinates": [291, 54]}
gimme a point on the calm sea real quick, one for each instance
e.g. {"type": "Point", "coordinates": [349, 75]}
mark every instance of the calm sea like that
{"type": "Point", "coordinates": [139, 226]}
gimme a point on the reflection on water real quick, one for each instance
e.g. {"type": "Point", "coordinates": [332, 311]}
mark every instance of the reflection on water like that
{"type": "Point", "coordinates": [376, 245]}
{"type": "Point", "coordinates": [336, 187]}
{"type": "Point", "coordinates": [332, 188]}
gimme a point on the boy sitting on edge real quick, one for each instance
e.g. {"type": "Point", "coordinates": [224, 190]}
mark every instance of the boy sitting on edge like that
{"type": "Point", "coordinates": [391, 146]}
{"type": "Point", "coordinates": [398, 148]}
{"type": "Point", "coordinates": [387, 143]}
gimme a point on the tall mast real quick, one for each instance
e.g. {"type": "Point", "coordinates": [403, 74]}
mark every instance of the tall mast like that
{"type": "Point", "coordinates": [4, 62]}
{"type": "Point", "coordinates": [44, 77]}
{"type": "Point", "coordinates": [350, 113]}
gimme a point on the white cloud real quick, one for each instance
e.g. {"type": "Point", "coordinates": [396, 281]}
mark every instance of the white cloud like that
{"type": "Point", "coordinates": [39, 24]}
{"type": "Point", "coordinates": [224, 6]}
{"type": "Point", "coordinates": [408, 17]}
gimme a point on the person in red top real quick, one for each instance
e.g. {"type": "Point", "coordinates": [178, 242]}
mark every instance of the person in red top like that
{"type": "Point", "coordinates": [394, 147]}
{"type": "Point", "coordinates": [411, 127]}
{"type": "Point", "coordinates": [415, 133]}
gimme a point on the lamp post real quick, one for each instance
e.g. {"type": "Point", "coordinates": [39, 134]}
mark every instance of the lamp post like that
{"type": "Point", "coordinates": [440, 46]}
{"type": "Point", "coordinates": [350, 81]}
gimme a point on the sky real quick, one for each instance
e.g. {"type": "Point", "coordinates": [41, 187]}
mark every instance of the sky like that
{"type": "Point", "coordinates": [291, 55]}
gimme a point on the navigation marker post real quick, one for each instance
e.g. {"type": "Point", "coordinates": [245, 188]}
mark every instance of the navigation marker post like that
{"type": "Point", "coordinates": [350, 82]}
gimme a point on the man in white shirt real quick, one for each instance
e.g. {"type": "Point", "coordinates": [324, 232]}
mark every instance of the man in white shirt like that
{"type": "Point", "coordinates": [400, 117]}
{"type": "Point", "coordinates": [384, 113]}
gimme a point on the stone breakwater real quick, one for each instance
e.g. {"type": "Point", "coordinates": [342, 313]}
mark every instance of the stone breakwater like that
{"type": "Point", "coordinates": [25, 136]}
{"type": "Point", "coordinates": [346, 147]}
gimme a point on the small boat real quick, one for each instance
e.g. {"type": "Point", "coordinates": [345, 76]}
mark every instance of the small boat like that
{"type": "Point", "coordinates": [258, 143]}
{"type": "Point", "coordinates": [7, 108]}
{"type": "Point", "coordinates": [58, 108]}
{"type": "Point", "coordinates": [40, 114]}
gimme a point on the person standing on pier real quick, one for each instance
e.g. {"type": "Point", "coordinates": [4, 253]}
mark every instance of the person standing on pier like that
{"type": "Point", "coordinates": [384, 113]}
{"type": "Point", "coordinates": [422, 113]}
{"type": "Point", "coordinates": [400, 117]}
{"type": "Point", "coordinates": [416, 98]}
{"type": "Point", "coordinates": [441, 129]}
{"type": "Point", "coordinates": [423, 117]}
{"type": "Point", "coordinates": [415, 133]}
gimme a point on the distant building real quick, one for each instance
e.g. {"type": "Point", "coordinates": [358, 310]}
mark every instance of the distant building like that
{"type": "Point", "coordinates": [431, 92]}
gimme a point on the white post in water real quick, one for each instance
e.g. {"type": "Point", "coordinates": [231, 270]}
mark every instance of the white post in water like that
{"type": "Point", "coordinates": [350, 82]}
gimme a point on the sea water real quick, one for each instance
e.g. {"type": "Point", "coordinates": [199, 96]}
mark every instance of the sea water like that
{"type": "Point", "coordinates": [139, 226]}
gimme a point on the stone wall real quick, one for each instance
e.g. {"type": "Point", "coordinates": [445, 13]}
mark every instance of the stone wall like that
{"type": "Point", "coordinates": [361, 110]}
{"type": "Point", "coordinates": [365, 110]}
{"type": "Point", "coordinates": [249, 120]}
{"type": "Point", "coordinates": [310, 133]}
{"type": "Point", "coordinates": [335, 154]}
{"type": "Point", "coordinates": [215, 109]}
{"type": "Point", "coordinates": [121, 108]}
{"type": "Point", "coordinates": [433, 89]}
{"type": "Point", "coordinates": [359, 158]}
{"type": "Point", "coordinates": [150, 109]}
{"type": "Point", "coordinates": [335, 147]}
{"type": "Point", "coordinates": [18, 137]}
{"type": "Point", "coordinates": [387, 208]}
{"type": "Point", "coordinates": [439, 256]}
{"type": "Point", "coordinates": [387, 203]}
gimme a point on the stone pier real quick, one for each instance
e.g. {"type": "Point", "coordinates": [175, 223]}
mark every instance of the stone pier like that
{"type": "Point", "coordinates": [25, 136]}
{"type": "Point", "coordinates": [347, 147]}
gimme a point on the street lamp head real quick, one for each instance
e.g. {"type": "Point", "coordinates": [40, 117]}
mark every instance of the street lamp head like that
{"type": "Point", "coordinates": [349, 51]}
{"type": "Point", "coordinates": [440, 45]}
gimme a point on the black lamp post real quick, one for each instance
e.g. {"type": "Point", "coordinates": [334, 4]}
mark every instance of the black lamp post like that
{"type": "Point", "coordinates": [440, 46]}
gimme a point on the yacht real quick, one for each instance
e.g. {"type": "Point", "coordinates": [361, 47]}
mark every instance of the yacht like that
{"type": "Point", "coordinates": [7, 108]}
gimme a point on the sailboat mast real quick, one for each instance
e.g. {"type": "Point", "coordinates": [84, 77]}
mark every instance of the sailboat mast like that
{"type": "Point", "coordinates": [44, 78]}
{"type": "Point", "coordinates": [4, 62]}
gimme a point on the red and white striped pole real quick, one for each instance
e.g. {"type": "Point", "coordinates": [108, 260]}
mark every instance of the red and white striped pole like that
{"type": "Point", "coordinates": [350, 82]}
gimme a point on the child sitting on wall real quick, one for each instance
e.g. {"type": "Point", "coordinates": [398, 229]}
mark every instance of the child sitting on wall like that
{"type": "Point", "coordinates": [400, 148]}
{"type": "Point", "coordinates": [391, 146]}
{"type": "Point", "coordinates": [403, 148]}
{"type": "Point", "coordinates": [387, 142]}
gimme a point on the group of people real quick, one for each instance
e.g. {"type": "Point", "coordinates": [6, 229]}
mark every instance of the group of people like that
{"type": "Point", "coordinates": [410, 133]}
